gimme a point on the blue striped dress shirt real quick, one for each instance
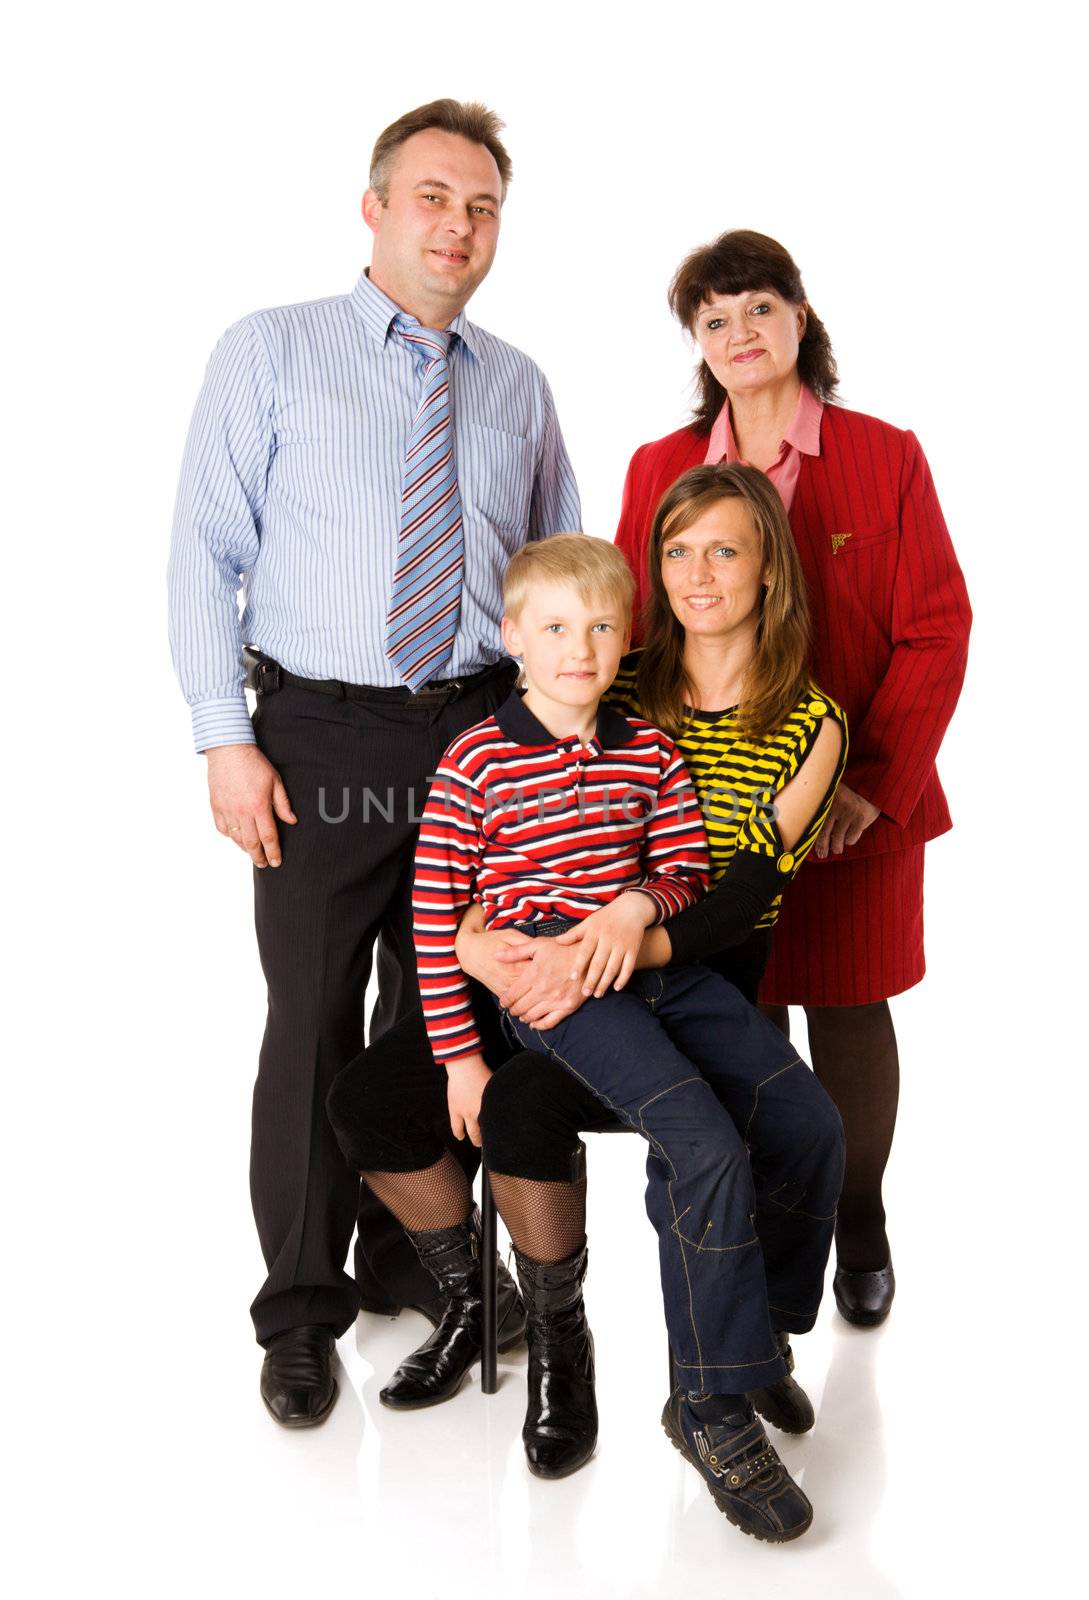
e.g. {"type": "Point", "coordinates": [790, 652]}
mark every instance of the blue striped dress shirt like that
{"type": "Point", "coordinates": [291, 491]}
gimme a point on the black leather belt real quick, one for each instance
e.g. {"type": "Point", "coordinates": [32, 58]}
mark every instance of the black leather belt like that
{"type": "Point", "coordinates": [266, 676]}
{"type": "Point", "coordinates": [546, 928]}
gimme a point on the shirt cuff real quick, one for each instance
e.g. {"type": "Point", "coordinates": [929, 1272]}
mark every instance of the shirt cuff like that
{"type": "Point", "coordinates": [222, 721]}
{"type": "Point", "coordinates": [664, 906]}
{"type": "Point", "coordinates": [452, 1055]}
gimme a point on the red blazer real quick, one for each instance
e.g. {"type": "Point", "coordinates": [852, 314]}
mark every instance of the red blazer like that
{"type": "Point", "coordinates": [889, 606]}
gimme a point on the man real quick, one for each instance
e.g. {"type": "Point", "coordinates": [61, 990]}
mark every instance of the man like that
{"type": "Point", "coordinates": [362, 468]}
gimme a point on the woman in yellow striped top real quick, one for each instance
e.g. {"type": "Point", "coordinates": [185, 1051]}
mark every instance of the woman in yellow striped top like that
{"type": "Point", "coordinates": [738, 776]}
{"type": "Point", "coordinates": [724, 673]}
{"type": "Point", "coordinates": [727, 627]}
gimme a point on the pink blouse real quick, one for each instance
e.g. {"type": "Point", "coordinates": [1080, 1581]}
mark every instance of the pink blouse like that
{"type": "Point", "coordinates": [802, 438]}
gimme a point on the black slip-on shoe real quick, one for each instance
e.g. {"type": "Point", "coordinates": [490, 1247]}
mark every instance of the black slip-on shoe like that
{"type": "Point", "coordinates": [864, 1298]}
{"type": "Point", "coordinates": [297, 1383]}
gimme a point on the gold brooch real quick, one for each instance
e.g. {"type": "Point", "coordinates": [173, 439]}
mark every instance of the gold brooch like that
{"type": "Point", "coordinates": [838, 541]}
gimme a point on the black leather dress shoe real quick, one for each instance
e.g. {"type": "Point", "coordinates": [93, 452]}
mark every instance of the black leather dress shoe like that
{"type": "Point", "coordinates": [785, 1404]}
{"type": "Point", "coordinates": [297, 1383]}
{"type": "Point", "coordinates": [864, 1298]}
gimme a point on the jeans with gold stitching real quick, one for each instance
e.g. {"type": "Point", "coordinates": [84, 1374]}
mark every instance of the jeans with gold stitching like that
{"type": "Point", "coordinates": [727, 1109]}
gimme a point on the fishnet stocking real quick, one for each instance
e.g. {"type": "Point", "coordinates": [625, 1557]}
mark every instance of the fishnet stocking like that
{"type": "Point", "coordinates": [433, 1197]}
{"type": "Point", "coordinates": [546, 1221]}
{"type": "Point", "coordinates": [853, 1049]}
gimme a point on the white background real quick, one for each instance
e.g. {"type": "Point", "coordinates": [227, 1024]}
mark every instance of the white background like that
{"type": "Point", "coordinates": [173, 168]}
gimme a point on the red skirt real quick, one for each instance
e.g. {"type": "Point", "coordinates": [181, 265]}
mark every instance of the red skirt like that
{"type": "Point", "coordinates": [849, 933]}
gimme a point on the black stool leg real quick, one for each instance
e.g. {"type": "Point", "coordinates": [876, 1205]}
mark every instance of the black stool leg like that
{"type": "Point", "coordinates": [489, 1288]}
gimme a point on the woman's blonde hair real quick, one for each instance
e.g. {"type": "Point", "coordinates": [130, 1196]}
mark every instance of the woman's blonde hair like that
{"type": "Point", "coordinates": [594, 569]}
{"type": "Point", "coordinates": [777, 673]}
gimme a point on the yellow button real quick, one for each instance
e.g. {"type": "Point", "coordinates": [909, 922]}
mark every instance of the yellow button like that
{"type": "Point", "coordinates": [786, 862]}
{"type": "Point", "coordinates": [817, 707]}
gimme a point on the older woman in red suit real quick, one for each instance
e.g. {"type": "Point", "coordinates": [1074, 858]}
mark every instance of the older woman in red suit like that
{"type": "Point", "coordinates": [890, 638]}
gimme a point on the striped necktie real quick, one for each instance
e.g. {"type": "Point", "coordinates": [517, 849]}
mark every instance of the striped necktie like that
{"type": "Point", "coordinates": [426, 597]}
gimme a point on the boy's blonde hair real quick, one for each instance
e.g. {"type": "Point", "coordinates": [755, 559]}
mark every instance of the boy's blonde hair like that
{"type": "Point", "coordinates": [595, 570]}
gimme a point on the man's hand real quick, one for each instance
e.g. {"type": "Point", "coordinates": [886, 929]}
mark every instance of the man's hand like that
{"type": "Point", "coordinates": [846, 822]}
{"type": "Point", "coordinates": [465, 1081]}
{"type": "Point", "coordinates": [610, 938]}
{"type": "Point", "coordinates": [247, 796]}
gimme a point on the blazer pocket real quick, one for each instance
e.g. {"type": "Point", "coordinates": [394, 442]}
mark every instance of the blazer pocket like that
{"type": "Point", "coordinates": [497, 479]}
{"type": "Point", "coordinates": [846, 543]}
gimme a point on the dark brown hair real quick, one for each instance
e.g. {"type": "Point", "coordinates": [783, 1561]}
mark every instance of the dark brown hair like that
{"type": "Point", "coordinates": [741, 262]}
{"type": "Point", "coordinates": [470, 120]}
{"type": "Point", "coordinates": [777, 674]}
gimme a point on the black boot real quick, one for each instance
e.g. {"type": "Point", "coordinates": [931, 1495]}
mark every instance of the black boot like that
{"type": "Point", "coordinates": [437, 1370]}
{"type": "Point", "coordinates": [560, 1430]}
{"type": "Point", "coordinates": [785, 1404]}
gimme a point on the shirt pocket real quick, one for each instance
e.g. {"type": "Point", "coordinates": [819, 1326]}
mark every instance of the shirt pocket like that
{"type": "Point", "coordinates": [497, 478]}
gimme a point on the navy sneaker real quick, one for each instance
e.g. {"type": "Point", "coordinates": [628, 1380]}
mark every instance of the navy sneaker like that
{"type": "Point", "coordinates": [747, 1481]}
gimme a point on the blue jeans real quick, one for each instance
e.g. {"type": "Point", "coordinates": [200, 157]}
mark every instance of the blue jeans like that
{"type": "Point", "coordinates": [745, 1160]}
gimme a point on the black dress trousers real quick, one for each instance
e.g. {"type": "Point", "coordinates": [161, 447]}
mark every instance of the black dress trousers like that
{"type": "Point", "coordinates": [356, 771]}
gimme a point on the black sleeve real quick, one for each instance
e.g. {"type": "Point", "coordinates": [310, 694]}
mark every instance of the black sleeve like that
{"type": "Point", "coordinates": [731, 911]}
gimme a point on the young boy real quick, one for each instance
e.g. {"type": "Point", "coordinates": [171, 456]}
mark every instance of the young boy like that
{"type": "Point", "coordinates": [559, 811]}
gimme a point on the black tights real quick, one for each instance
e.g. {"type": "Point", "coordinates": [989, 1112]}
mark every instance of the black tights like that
{"type": "Point", "coordinates": [438, 1196]}
{"type": "Point", "coordinates": [853, 1051]}
{"type": "Point", "coordinates": [546, 1220]}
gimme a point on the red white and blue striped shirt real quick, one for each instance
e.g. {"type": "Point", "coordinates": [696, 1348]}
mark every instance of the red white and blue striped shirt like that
{"type": "Point", "coordinates": [536, 827]}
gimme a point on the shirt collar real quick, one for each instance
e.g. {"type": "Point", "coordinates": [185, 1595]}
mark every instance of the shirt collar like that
{"type": "Point", "coordinates": [518, 724]}
{"type": "Point", "coordinates": [804, 433]}
{"type": "Point", "coordinates": [376, 311]}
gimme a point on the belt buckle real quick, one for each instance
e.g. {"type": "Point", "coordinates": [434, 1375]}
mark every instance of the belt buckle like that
{"type": "Point", "coordinates": [449, 688]}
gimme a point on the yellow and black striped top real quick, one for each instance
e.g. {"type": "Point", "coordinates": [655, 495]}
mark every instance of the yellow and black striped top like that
{"type": "Point", "coordinates": [736, 778]}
